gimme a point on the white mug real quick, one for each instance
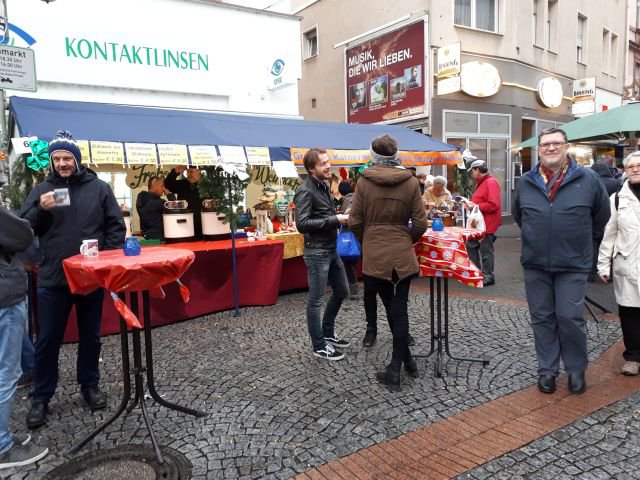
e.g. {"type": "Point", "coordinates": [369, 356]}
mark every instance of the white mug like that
{"type": "Point", "coordinates": [89, 248]}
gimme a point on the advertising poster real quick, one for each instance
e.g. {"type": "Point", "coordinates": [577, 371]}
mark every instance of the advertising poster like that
{"type": "Point", "coordinates": [386, 77]}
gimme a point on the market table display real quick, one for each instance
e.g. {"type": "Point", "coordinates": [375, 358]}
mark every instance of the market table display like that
{"type": "Point", "coordinates": [443, 255]}
{"type": "Point", "coordinates": [117, 273]}
{"type": "Point", "coordinates": [210, 280]}
{"type": "Point", "coordinates": [294, 271]}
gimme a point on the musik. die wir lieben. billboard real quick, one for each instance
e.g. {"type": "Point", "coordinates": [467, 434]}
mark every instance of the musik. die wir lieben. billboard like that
{"type": "Point", "coordinates": [386, 77]}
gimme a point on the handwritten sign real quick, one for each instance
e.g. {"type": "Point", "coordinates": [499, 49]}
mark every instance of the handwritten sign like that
{"type": "Point", "coordinates": [141, 153]}
{"type": "Point", "coordinates": [203, 155]}
{"type": "Point", "coordinates": [258, 156]}
{"type": "Point", "coordinates": [83, 145]}
{"type": "Point", "coordinates": [172, 154]}
{"type": "Point", "coordinates": [107, 152]}
{"type": "Point", "coordinates": [232, 154]}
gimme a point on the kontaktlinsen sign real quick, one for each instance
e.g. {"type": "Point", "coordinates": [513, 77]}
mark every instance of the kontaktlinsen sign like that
{"type": "Point", "coordinates": [17, 69]}
{"type": "Point", "coordinates": [386, 76]}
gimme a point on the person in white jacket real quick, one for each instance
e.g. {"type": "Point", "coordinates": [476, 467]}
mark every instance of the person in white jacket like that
{"type": "Point", "coordinates": [619, 256]}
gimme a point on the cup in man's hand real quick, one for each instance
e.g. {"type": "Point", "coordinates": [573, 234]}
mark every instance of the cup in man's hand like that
{"type": "Point", "coordinates": [61, 196]}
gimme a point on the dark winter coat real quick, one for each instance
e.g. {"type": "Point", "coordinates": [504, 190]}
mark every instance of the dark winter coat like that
{"type": "Point", "coordinates": [188, 191]}
{"type": "Point", "coordinates": [386, 198]}
{"type": "Point", "coordinates": [558, 236]}
{"type": "Point", "coordinates": [15, 236]}
{"type": "Point", "coordinates": [606, 176]}
{"type": "Point", "coordinates": [93, 213]}
{"type": "Point", "coordinates": [150, 208]}
{"type": "Point", "coordinates": [316, 215]}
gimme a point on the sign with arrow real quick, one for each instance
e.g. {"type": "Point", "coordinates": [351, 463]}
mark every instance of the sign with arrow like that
{"type": "Point", "coordinates": [17, 69]}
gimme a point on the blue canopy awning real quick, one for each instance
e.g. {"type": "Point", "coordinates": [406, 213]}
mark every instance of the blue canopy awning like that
{"type": "Point", "coordinates": [126, 123]}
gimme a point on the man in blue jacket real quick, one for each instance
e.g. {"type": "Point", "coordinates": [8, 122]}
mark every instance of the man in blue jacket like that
{"type": "Point", "coordinates": [560, 207]}
{"type": "Point", "coordinates": [93, 213]}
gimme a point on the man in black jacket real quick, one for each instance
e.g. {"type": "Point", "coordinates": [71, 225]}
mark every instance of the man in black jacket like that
{"type": "Point", "coordinates": [15, 236]}
{"type": "Point", "coordinates": [93, 213]}
{"type": "Point", "coordinates": [150, 206]}
{"type": "Point", "coordinates": [560, 207]}
{"type": "Point", "coordinates": [187, 190]}
{"type": "Point", "coordinates": [317, 219]}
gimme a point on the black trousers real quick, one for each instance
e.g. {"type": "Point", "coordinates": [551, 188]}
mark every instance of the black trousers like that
{"type": "Point", "coordinates": [630, 324]}
{"type": "Point", "coordinates": [395, 298]}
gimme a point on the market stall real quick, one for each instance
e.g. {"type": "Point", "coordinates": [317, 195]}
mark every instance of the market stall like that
{"type": "Point", "coordinates": [122, 138]}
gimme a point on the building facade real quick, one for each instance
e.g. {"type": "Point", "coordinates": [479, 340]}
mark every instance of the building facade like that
{"type": "Point", "coordinates": [491, 73]}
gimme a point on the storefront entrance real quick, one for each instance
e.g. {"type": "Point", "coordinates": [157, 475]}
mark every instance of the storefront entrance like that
{"type": "Point", "coordinates": [488, 137]}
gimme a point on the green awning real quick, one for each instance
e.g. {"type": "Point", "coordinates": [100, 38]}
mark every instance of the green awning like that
{"type": "Point", "coordinates": [615, 124]}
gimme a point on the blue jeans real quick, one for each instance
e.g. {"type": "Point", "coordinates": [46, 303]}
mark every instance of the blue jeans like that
{"type": "Point", "coordinates": [54, 306]}
{"type": "Point", "coordinates": [322, 268]}
{"type": "Point", "coordinates": [12, 321]}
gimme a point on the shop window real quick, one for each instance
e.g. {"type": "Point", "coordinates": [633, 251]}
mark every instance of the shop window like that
{"type": "Point", "coordinates": [460, 122]}
{"type": "Point", "coordinates": [310, 38]}
{"type": "Point", "coordinates": [494, 124]}
{"type": "Point", "coordinates": [580, 39]}
{"type": "Point", "coordinates": [479, 14]}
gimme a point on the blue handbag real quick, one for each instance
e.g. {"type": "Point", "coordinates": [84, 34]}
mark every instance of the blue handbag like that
{"type": "Point", "coordinates": [348, 247]}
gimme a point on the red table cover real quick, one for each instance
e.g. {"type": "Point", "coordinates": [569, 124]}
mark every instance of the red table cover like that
{"type": "Point", "coordinates": [444, 254]}
{"type": "Point", "coordinates": [114, 271]}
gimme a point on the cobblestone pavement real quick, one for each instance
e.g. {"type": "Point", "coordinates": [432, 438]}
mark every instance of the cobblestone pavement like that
{"type": "Point", "coordinates": [603, 445]}
{"type": "Point", "coordinates": [274, 410]}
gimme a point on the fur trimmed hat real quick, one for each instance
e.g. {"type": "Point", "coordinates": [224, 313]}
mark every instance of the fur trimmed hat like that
{"type": "Point", "coordinates": [64, 141]}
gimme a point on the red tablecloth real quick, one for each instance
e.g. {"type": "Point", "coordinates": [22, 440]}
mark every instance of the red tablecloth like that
{"type": "Point", "coordinates": [211, 283]}
{"type": "Point", "coordinates": [444, 254]}
{"type": "Point", "coordinates": [114, 271]}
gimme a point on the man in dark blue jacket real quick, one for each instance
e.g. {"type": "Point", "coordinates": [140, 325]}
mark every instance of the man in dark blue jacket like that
{"type": "Point", "coordinates": [93, 213]}
{"type": "Point", "coordinates": [560, 207]}
{"type": "Point", "coordinates": [317, 219]}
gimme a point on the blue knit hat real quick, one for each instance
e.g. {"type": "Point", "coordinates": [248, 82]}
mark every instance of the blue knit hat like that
{"type": "Point", "coordinates": [64, 141]}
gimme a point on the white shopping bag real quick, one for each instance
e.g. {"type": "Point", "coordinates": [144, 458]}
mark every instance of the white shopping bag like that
{"type": "Point", "coordinates": [476, 220]}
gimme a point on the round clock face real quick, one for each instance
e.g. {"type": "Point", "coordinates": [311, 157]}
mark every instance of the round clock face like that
{"type": "Point", "coordinates": [479, 79]}
{"type": "Point", "coordinates": [550, 92]}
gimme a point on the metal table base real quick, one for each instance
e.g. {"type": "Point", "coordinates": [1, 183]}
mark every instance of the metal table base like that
{"type": "Point", "coordinates": [138, 372]}
{"type": "Point", "coordinates": [438, 337]}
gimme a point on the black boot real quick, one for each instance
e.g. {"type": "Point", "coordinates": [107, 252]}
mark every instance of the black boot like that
{"type": "Point", "coordinates": [369, 338]}
{"type": "Point", "coordinates": [390, 377]}
{"type": "Point", "coordinates": [37, 416]}
{"type": "Point", "coordinates": [412, 368]}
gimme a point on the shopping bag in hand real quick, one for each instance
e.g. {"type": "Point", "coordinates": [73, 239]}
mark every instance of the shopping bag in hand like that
{"type": "Point", "coordinates": [476, 220]}
{"type": "Point", "coordinates": [347, 246]}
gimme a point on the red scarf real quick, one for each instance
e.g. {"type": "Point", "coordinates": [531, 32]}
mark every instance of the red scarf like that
{"type": "Point", "coordinates": [547, 175]}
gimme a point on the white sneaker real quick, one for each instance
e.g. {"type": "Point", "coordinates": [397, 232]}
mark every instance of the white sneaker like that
{"type": "Point", "coordinates": [328, 353]}
{"type": "Point", "coordinates": [21, 455]}
{"type": "Point", "coordinates": [631, 368]}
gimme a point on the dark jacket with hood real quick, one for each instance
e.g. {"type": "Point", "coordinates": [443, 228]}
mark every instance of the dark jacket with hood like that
{"type": "Point", "coordinates": [557, 236]}
{"type": "Point", "coordinates": [93, 213]}
{"type": "Point", "coordinates": [316, 216]}
{"type": "Point", "coordinates": [386, 198]}
{"type": "Point", "coordinates": [15, 236]}
{"type": "Point", "coordinates": [185, 190]}
{"type": "Point", "coordinates": [606, 175]}
{"type": "Point", "coordinates": [150, 207]}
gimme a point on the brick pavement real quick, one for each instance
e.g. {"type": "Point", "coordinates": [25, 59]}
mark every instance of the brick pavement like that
{"type": "Point", "coordinates": [275, 411]}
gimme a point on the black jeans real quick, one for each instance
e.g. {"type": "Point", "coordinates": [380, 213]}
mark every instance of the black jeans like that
{"type": "Point", "coordinates": [395, 298]}
{"type": "Point", "coordinates": [630, 324]}
{"type": "Point", "coordinates": [350, 270]}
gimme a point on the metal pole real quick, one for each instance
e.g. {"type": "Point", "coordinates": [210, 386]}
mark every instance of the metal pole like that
{"type": "Point", "coordinates": [233, 251]}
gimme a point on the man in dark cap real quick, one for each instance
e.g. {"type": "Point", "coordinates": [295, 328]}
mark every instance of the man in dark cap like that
{"type": "Point", "coordinates": [70, 206]}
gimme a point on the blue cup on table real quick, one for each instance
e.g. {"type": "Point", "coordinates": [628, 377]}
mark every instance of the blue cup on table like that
{"type": "Point", "coordinates": [131, 247]}
{"type": "Point", "coordinates": [437, 225]}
